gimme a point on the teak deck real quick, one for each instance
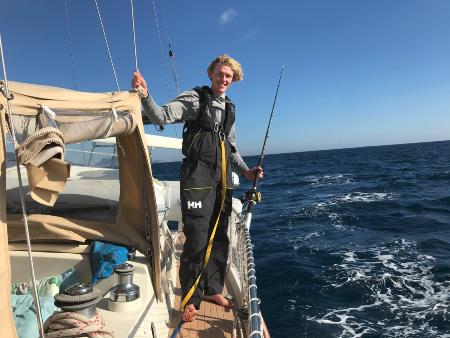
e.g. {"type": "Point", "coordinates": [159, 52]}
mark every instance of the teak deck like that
{"type": "Point", "coordinates": [212, 321]}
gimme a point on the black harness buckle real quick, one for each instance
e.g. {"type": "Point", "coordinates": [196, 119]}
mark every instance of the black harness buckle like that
{"type": "Point", "coordinates": [222, 136]}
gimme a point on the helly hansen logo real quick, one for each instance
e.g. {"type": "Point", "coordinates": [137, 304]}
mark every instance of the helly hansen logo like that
{"type": "Point", "coordinates": [194, 205]}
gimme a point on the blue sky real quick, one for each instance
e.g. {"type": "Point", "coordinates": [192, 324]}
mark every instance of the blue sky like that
{"type": "Point", "coordinates": [357, 73]}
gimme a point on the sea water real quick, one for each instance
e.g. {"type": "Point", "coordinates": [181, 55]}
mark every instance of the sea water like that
{"type": "Point", "coordinates": [353, 242]}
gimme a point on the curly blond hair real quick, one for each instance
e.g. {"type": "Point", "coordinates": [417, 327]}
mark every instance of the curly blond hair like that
{"type": "Point", "coordinates": [227, 60]}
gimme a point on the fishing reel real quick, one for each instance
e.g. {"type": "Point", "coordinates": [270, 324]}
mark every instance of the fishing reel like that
{"type": "Point", "coordinates": [252, 195]}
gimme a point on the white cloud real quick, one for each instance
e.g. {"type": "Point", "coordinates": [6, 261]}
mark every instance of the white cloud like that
{"type": "Point", "coordinates": [228, 16]}
{"type": "Point", "coordinates": [249, 34]}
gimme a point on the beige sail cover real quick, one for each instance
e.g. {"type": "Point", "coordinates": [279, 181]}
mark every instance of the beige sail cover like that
{"type": "Point", "coordinates": [6, 316]}
{"type": "Point", "coordinates": [136, 219]}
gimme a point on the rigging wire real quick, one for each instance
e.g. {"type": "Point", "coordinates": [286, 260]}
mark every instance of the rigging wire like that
{"type": "Point", "coordinates": [107, 45]}
{"type": "Point", "coordinates": [161, 47]}
{"type": "Point", "coordinates": [69, 37]}
{"type": "Point", "coordinates": [162, 58]}
{"type": "Point", "coordinates": [22, 201]}
{"type": "Point", "coordinates": [174, 68]}
{"type": "Point", "coordinates": [171, 53]}
{"type": "Point", "coordinates": [134, 37]}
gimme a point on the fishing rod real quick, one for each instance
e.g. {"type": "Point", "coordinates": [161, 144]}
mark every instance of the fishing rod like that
{"type": "Point", "coordinates": [253, 196]}
{"type": "Point", "coordinates": [251, 311]}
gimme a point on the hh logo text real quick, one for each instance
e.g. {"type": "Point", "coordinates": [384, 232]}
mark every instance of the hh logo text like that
{"type": "Point", "coordinates": [194, 205]}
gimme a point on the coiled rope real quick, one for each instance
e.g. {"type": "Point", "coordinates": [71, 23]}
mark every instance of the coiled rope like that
{"type": "Point", "coordinates": [72, 324]}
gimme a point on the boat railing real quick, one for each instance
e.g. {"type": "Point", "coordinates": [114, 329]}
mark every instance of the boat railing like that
{"type": "Point", "coordinates": [103, 152]}
{"type": "Point", "coordinates": [248, 318]}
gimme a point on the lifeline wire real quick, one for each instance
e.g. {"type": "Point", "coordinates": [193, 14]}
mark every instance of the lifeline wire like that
{"type": "Point", "coordinates": [107, 45]}
{"type": "Point", "coordinates": [134, 37]}
{"type": "Point", "coordinates": [22, 201]}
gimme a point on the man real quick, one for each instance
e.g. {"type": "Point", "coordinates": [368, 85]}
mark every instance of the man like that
{"type": "Point", "coordinates": [209, 132]}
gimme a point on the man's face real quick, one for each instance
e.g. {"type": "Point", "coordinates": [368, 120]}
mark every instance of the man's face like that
{"type": "Point", "coordinates": [221, 79]}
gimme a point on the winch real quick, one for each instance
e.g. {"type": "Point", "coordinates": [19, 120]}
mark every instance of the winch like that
{"type": "Point", "coordinates": [80, 298]}
{"type": "Point", "coordinates": [125, 296]}
{"type": "Point", "coordinates": [79, 317]}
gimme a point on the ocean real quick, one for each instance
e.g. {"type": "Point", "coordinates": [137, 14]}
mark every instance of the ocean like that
{"type": "Point", "coordinates": [353, 242]}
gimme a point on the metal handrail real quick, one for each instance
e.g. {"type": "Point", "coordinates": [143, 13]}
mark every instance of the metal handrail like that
{"type": "Point", "coordinates": [252, 293]}
{"type": "Point", "coordinates": [248, 318]}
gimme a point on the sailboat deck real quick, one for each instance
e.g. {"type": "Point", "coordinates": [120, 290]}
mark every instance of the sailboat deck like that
{"type": "Point", "coordinates": [212, 320]}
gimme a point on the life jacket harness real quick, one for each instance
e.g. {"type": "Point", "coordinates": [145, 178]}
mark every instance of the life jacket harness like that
{"type": "Point", "coordinates": [206, 122]}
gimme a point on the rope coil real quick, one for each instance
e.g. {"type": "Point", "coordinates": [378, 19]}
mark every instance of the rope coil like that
{"type": "Point", "coordinates": [72, 324]}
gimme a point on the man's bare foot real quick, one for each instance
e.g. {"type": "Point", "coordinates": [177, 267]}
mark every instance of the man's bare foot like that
{"type": "Point", "coordinates": [190, 312]}
{"type": "Point", "coordinates": [219, 300]}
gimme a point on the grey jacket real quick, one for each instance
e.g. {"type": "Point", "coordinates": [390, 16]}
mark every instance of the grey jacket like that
{"type": "Point", "coordinates": [186, 107]}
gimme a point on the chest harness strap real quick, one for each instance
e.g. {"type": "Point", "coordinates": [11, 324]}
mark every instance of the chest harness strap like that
{"type": "Point", "coordinates": [213, 233]}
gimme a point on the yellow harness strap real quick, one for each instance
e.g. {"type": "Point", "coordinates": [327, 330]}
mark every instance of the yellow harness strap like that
{"type": "Point", "coordinates": [213, 233]}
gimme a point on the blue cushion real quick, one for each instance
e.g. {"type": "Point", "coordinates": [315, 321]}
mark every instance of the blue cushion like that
{"type": "Point", "coordinates": [104, 257]}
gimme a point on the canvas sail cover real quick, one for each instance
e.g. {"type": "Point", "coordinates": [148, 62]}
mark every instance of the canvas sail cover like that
{"type": "Point", "coordinates": [48, 118]}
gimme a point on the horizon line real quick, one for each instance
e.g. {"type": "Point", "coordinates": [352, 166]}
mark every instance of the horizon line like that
{"type": "Point", "coordinates": [330, 149]}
